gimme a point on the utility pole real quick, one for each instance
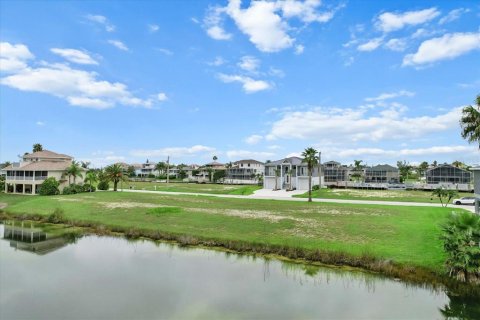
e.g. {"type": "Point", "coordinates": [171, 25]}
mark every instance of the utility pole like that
{"type": "Point", "coordinates": [168, 169]}
{"type": "Point", "coordinates": [319, 171]}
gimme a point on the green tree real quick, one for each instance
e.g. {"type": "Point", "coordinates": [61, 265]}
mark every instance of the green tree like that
{"type": "Point", "coordinates": [310, 157]}
{"type": "Point", "coordinates": [444, 195]}
{"type": "Point", "coordinates": [85, 164]}
{"type": "Point", "coordinates": [91, 178]}
{"type": "Point", "coordinates": [215, 158]}
{"type": "Point", "coordinates": [461, 242]}
{"type": "Point", "coordinates": [405, 169]}
{"type": "Point", "coordinates": [74, 170]}
{"type": "Point", "coordinates": [49, 187]}
{"type": "Point", "coordinates": [470, 123]}
{"type": "Point", "coordinates": [5, 164]}
{"type": "Point", "coordinates": [131, 171]}
{"type": "Point", "coordinates": [218, 175]}
{"type": "Point", "coordinates": [357, 170]}
{"type": "Point", "coordinates": [114, 173]}
{"type": "Point", "coordinates": [161, 167]}
{"type": "Point", "coordinates": [422, 168]}
{"type": "Point", "coordinates": [458, 164]}
{"type": "Point", "coordinates": [37, 147]}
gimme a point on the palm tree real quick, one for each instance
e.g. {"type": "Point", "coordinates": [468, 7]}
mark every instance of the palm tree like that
{"type": "Point", "coordinates": [74, 170]}
{"type": "Point", "coordinates": [37, 147]}
{"type": "Point", "coordinates": [470, 123]}
{"type": "Point", "coordinates": [277, 174]}
{"type": "Point", "coordinates": [160, 167]}
{"type": "Point", "coordinates": [91, 178]}
{"type": "Point", "coordinates": [215, 158]}
{"type": "Point", "coordinates": [115, 174]}
{"type": "Point", "coordinates": [357, 168]}
{"type": "Point", "coordinates": [310, 157]}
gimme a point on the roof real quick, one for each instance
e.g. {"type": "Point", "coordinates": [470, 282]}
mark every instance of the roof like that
{"type": "Point", "coordinates": [290, 160]}
{"type": "Point", "coordinates": [382, 167]}
{"type": "Point", "coordinates": [447, 166]}
{"type": "Point", "coordinates": [248, 161]}
{"type": "Point", "coordinates": [46, 154]}
{"type": "Point", "coordinates": [214, 164]}
{"type": "Point", "coordinates": [42, 166]}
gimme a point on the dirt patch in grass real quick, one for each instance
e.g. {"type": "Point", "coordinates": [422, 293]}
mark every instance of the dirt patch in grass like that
{"type": "Point", "coordinates": [3, 205]}
{"type": "Point", "coordinates": [67, 199]}
{"type": "Point", "coordinates": [341, 212]}
{"type": "Point", "coordinates": [127, 205]}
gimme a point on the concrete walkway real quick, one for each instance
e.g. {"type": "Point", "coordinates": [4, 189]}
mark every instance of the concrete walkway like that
{"type": "Point", "coordinates": [287, 196]}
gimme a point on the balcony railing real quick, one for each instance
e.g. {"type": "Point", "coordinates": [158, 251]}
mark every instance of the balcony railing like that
{"type": "Point", "coordinates": [28, 178]}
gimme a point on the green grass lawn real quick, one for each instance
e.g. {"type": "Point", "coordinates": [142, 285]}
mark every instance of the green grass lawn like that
{"type": "Point", "coordinates": [406, 235]}
{"type": "Point", "coordinates": [192, 187]}
{"type": "Point", "coordinates": [380, 195]}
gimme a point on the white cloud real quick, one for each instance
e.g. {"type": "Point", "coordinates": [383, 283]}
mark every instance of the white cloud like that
{"type": "Point", "coordinates": [14, 57]}
{"type": "Point", "coordinates": [162, 96]}
{"type": "Point", "coordinates": [77, 87]}
{"type": "Point", "coordinates": [265, 22]}
{"type": "Point", "coordinates": [245, 154]}
{"type": "Point", "coordinates": [370, 45]}
{"type": "Point", "coordinates": [379, 152]}
{"type": "Point", "coordinates": [164, 51]}
{"type": "Point", "coordinates": [217, 62]}
{"type": "Point", "coordinates": [391, 95]}
{"type": "Point", "coordinates": [389, 21]}
{"type": "Point", "coordinates": [453, 15]}
{"type": "Point", "coordinates": [153, 28]}
{"type": "Point", "coordinates": [73, 55]}
{"type": "Point", "coordinates": [213, 23]}
{"type": "Point", "coordinates": [249, 63]}
{"type": "Point", "coordinates": [40, 123]}
{"type": "Point", "coordinates": [102, 20]}
{"type": "Point", "coordinates": [102, 159]}
{"type": "Point", "coordinates": [299, 49]}
{"type": "Point", "coordinates": [449, 46]}
{"type": "Point", "coordinates": [396, 44]}
{"type": "Point", "coordinates": [254, 139]}
{"type": "Point", "coordinates": [276, 72]}
{"type": "Point", "coordinates": [176, 152]}
{"type": "Point", "coordinates": [249, 85]}
{"type": "Point", "coordinates": [118, 44]}
{"type": "Point", "coordinates": [360, 124]}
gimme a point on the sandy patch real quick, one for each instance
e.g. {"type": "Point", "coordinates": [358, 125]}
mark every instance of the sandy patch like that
{"type": "Point", "coordinates": [127, 205]}
{"type": "Point", "coordinates": [366, 193]}
{"type": "Point", "coordinates": [67, 199]}
{"type": "Point", "coordinates": [340, 212]}
{"type": "Point", "coordinates": [3, 205]}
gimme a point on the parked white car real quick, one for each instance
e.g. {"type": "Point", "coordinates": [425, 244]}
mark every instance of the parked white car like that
{"type": "Point", "coordinates": [464, 200]}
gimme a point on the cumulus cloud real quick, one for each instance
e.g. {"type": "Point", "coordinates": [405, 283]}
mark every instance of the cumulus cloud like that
{"type": "Point", "coordinates": [176, 152]}
{"type": "Point", "coordinates": [75, 56]}
{"type": "Point", "coordinates": [244, 154]}
{"type": "Point", "coordinates": [396, 44]}
{"type": "Point", "coordinates": [453, 15]}
{"type": "Point", "coordinates": [391, 95]}
{"type": "Point", "coordinates": [254, 139]}
{"type": "Point", "coordinates": [379, 152]}
{"type": "Point", "coordinates": [118, 44]}
{"type": "Point", "coordinates": [40, 123]}
{"type": "Point", "coordinates": [217, 62]}
{"type": "Point", "coordinates": [101, 20]}
{"type": "Point", "coordinates": [265, 22]}
{"type": "Point", "coordinates": [165, 51]}
{"type": "Point", "coordinates": [162, 96]}
{"type": "Point", "coordinates": [390, 21]}
{"type": "Point", "coordinates": [299, 49]}
{"type": "Point", "coordinates": [77, 87]}
{"type": "Point", "coordinates": [249, 63]}
{"type": "Point", "coordinates": [249, 85]}
{"type": "Point", "coordinates": [153, 28]}
{"type": "Point", "coordinates": [370, 45]}
{"type": "Point", "coordinates": [14, 57]}
{"type": "Point", "coordinates": [449, 46]}
{"type": "Point", "coordinates": [360, 124]}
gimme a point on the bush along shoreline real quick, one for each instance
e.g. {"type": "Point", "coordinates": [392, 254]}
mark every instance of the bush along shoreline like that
{"type": "Point", "coordinates": [413, 275]}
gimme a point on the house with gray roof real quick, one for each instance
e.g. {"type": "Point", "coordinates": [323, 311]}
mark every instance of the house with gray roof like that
{"type": "Point", "coordinates": [334, 172]}
{"type": "Point", "coordinates": [446, 173]}
{"type": "Point", "coordinates": [288, 174]}
{"type": "Point", "coordinates": [382, 173]}
{"type": "Point", "coordinates": [246, 171]}
{"type": "Point", "coordinates": [26, 176]}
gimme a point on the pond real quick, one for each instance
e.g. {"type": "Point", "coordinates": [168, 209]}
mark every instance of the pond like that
{"type": "Point", "coordinates": [50, 273]}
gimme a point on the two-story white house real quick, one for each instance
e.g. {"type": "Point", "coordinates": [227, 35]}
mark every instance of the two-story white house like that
{"type": "Point", "coordinates": [289, 174]}
{"type": "Point", "coordinates": [247, 171]}
{"type": "Point", "coordinates": [26, 177]}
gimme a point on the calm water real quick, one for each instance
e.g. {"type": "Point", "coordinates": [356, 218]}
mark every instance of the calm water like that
{"type": "Point", "coordinates": [46, 276]}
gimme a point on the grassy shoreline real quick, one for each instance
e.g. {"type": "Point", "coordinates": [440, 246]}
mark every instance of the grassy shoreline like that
{"type": "Point", "coordinates": [367, 237]}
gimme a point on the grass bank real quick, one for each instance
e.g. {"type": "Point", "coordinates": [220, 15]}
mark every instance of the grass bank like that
{"type": "Point", "coordinates": [191, 187]}
{"type": "Point", "coordinates": [397, 241]}
{"type": "Point", "coordinates": [378, 195]}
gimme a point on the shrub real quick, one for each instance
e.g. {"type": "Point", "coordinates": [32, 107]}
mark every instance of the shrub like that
{"type": "Point", "coordinates": [316, 187]}
{"type": "Point", "coordinates": [57, 216]}
{"type": "Point", "coordinates": [103, 185]}
{"type": "Point", "coordinates": [88, 188]}
{"type": "Point", "coordinates": [461, 242]}
{"type": "Point", "coordinates": [49, 187]}
{"type": "Point", "coordinates": [73, 189]}
{"type": "Point", "coordinates": [162, 210]}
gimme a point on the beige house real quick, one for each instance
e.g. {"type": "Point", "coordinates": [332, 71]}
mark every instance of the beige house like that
{"type": "Point", "coordinates": [26, 177]}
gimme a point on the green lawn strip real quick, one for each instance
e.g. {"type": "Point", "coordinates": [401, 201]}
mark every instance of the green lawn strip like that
{"type": "Point", "coordinates": [192, 187]}
{"type": "Point", "coordinates": [406, 235]}
{"type": "Point", "coordinates": [378, 195]}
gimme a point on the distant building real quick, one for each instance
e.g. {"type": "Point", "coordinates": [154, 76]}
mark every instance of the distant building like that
{"type": "Point", "coordinates": [292, 174]}
{"type": "Point", "coordinates": [145, 169]}
{"type": "Point", "coordinates": [383, 173]}
{"type": "Point", "coordinates": [26, 177]}
{"type": "Point", "coordinates": [335, 172]}
{"type": "Point", "coordinates": [446, 173]}
{"type": "Point", "coordinates": [476, 183]}
{"type": "Point", "coordinates": [245, 171]}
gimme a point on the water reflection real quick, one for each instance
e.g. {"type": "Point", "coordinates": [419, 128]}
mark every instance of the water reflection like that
{"type": "Point", "coordinates": [112, 278]}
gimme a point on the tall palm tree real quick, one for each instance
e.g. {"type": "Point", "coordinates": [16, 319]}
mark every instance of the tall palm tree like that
{"type": "Point", "coordinates": [91, 178]}
{"type": "Point", "coordinates": [160, 167]}
{"type": "Point", "coordinates": [37, 147]}
{"type": "Point", "coordinates": [115, 174]}
{"type": "Point", "coordinates": [470, 123]}
{"type": "Point", "coordinates": [310, 157]}
{"type": "Point", "coordinates": [74, 170]}
{"type": "Point", "coordinates": [277, 175]}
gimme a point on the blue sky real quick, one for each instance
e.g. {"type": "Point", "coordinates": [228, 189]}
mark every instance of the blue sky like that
{"type": "Point", "coordinates": [110, 81]}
